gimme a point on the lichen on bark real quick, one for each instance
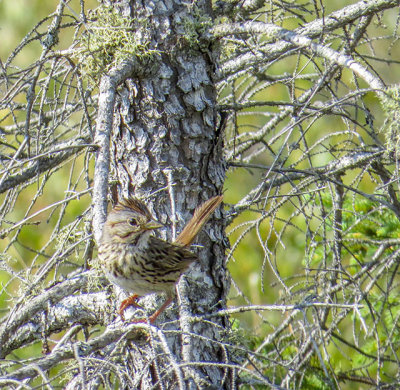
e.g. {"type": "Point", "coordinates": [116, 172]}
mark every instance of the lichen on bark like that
{"type": "Point", "coordinates": [165, 149]}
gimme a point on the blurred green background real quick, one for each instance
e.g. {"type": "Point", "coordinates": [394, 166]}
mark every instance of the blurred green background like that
{"type": "Point", "coordinates": [18, 17]}
{"type": "Point", "coordinates": [249, 268]}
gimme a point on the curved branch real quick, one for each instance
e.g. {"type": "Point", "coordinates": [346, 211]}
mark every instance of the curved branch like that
{"type": "Point", "coordinates": [45, 163]}
{"type": "Point", "coordinates": [336, 167]}
{"type": "Point", "coordinates": [25, 313]}
{"type": "Point", "coordinates": [299, 40]}
{"type": "Point", "coordinates": [83, 309]}
{"type": "Point", "coordinates": [313, 29]}
{"type": "Point", "coordinates": [108, 87]}
{"type": "Point", "coordinates": [58, 355]}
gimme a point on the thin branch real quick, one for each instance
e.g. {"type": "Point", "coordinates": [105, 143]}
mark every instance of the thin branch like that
{"type": "Point", "coordinates": [325, 25]}
{"type": "Point", "coordinates": [302, 41]}
{"type": "Point", "coordinates": [108, 87]}
{"type": "Point", "coordinates": [45, 163]}
{"type": "Point", "coordinates": [26, 312]}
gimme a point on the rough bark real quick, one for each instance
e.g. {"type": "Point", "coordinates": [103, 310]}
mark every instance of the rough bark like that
{"type": "Point", "coordinates": [166, 150]}
{"type": "Point", "coordinates": [310, 114]}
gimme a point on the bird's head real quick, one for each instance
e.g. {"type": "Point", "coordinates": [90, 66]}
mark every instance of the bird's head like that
{"type": "Point", "coordinates": [128, 221]}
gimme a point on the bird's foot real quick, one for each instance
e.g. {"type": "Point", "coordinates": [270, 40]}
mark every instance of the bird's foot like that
{"type": "Point", "coordinates": [130, 301]}
{"type": "Point", "coordinates": [154, 316]}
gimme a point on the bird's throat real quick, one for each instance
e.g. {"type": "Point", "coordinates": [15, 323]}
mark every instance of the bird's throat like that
{"type": "Point", "coordinates": [140, 240]}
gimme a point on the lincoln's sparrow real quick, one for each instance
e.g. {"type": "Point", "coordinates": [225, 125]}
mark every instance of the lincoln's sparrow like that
{"type": "Point", "coordinates": [143, 264]}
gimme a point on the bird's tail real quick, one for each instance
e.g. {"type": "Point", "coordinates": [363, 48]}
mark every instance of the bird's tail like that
{"type": "Point", "coordinates": [200, 217]}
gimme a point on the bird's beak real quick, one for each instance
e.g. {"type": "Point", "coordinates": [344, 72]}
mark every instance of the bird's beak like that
{"type": "Point", "coordinates": [152, 225]}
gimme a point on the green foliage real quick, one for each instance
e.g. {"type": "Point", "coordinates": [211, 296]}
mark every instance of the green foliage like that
{"type": "Point", "coordinates": [388, 329]}
{"type": "Point", "coordinates": [110, 39]}
{"type": "Point", "coordinates": [196, 28]}
{"type": "Point", "coordinates": [364, 226]}
{"type": "Point", "coordinates": [312, 377]}
{"type": "Point", "coordinates": [315, 381]}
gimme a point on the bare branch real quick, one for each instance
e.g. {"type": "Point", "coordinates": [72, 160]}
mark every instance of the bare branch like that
{"type": "Point", "coordinates": [108, 86]}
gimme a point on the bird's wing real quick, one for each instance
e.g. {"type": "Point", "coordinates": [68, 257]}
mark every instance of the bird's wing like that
{"type": "Point", "coordinates": [168, 256]}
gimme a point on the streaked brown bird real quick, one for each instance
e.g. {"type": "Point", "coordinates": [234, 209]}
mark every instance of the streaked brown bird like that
{"type": "Point", "coordinates": [143, 264]}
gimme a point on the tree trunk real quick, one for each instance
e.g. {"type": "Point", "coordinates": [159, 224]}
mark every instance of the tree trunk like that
{"type": "Point", "coordinates": [167, 151]}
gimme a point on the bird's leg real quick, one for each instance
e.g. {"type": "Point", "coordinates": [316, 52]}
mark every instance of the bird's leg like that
{"type": "Point", "coordinates": [154, 316]}
{"type": "Point", "coordinates": [130, 301]}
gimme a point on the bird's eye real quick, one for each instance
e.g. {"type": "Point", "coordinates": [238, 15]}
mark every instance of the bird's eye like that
{"type": "Point", "coordinates": [132, 221]}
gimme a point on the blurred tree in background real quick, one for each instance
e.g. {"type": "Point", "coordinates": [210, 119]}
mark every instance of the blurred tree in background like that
{"type": "Point", "coordinates": [292, 106]}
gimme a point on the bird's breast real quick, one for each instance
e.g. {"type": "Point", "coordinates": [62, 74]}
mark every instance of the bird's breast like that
{"type": "Point", "coordinates": [131, 268]}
